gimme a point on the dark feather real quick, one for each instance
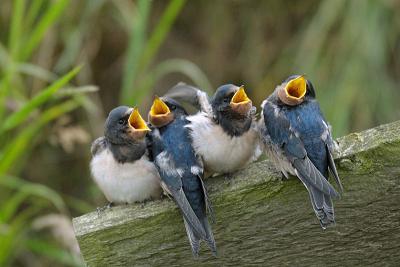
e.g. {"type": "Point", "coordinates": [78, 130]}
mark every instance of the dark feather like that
{"type": "Point", "coordinates": [306, 171]}
{"type": "Point", "coordinates": [175, 159]}
{"type": "Point", "coordinates": [190, 94]}
{"type": "Point", "coordinates": [194, 240]}
{"type": "Point", "coordinates": [188, 213]}
{"type": "Point", "coordinates": [332, 169]}
{"type": "Point", "coordinates": [209, 236]}
{"type": "Point", "coordinates": [322, 205]}
{"type": "Point", "coordinates": [209, 207]}
{"type": "Point", "coordinates": [98, 145]}
{"type": "Point", "coordinates": [301, 134]}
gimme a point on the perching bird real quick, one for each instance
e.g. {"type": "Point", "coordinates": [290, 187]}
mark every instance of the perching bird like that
{"type": "Point", "coordinates": [119, 165]}
{"type": "Point", "coordinates": [224, 131]}
{"type": "Point", "coordinates": [298, 139]}
{"type": "Point", "coordinates": [181, 170]}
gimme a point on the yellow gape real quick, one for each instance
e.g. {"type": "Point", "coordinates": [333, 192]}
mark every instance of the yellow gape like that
{"type": "Point", "coordinates": [159, 114]}
{"type": "Point", "coordinates": [293, 93]}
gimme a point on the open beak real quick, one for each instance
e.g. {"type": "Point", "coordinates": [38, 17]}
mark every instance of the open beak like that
{"type": "Point", "coordinates": [137, 124]}
{"type": "Point", "coordinates": [240, 103]}
{"type": "Point", "coordinates": [294, 91]}
{"type": "Point", "coordinates": [159, 114]}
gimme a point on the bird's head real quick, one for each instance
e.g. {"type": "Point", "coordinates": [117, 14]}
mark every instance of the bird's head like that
{"type": "Point", "coordinates": [295, 89]}
{"type": "Point", "coordinates": [125, 125]}
{"type": "Point", "coordinates": [232, 109]}
{"type": "Point", "coordinates": [164, 110]}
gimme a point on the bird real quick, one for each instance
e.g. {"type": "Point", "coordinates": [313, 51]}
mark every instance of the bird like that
{"type": "Point", "coordinates": [120, 165]}
{"type": "Point", "coordinates": [181, 170]}
{"type": "Point", "coordinates": [299, 141]}
{"type": "Point", "coordinates": [224, 131]}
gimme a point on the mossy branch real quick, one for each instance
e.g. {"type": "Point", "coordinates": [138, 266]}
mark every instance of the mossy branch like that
{"type": "Point", "coordinates": [263, 220]}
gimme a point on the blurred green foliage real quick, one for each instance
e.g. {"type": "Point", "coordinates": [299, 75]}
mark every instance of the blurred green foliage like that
{"type": "Point", "coordinates": [23, 114]}
{"type": "Point", "coordinates": [133, 49]}
{"type": "Point", "coordinates": [348, 49]}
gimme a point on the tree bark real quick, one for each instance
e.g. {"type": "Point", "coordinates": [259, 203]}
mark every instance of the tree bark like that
{"type": "Point", "coordinates": [261, 220]}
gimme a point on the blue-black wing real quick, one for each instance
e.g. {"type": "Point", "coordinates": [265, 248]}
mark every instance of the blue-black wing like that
{"type": "Point", "coordinates": [171, 178]}
{"type": "Point", "coordinates": [283, 134]}
{"type": "Point", "coordinates": [331, 163]}
{"type": "Point", "coordinates": [181, 173]}
{"type": "Point", "coordinates": [192, 95]}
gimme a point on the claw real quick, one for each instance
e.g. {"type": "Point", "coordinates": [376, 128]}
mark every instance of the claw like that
{"type": "Point", "coordinates": [102, 209]}
{"type": "Point", "coordinates": [228, 177]}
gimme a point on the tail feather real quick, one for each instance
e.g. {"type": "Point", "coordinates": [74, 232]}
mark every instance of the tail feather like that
{"type": "Point", "coordinates": [323, 208]}
{"type": "Point", "coordinates": [193, 239]}
{"type": "Point", "coordinates": [322, 205]}
{"type": "Point", "coordinates": [332, 169]}
{"type": "Point", "coordinates": [210, 237]}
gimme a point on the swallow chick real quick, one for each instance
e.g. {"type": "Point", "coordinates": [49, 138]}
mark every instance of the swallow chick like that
{"type": "Point", "coordinates": [224, 131]}
{"type": "Point", "coordinates": [181, 170]}
{"type": "Point", "coordinates": [120, 165]}
{"type": "Point", "coordinates": [299, 141]}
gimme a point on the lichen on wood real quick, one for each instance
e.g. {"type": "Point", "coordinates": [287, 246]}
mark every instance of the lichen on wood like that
{"type": "Point", "coordinates": [262, 220]}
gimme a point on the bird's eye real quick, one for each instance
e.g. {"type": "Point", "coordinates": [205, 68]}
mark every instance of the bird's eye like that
{"type": "Point", "coordinates": [121, 121]}
{"type": "Point", "coordinates": [227, 100]}
{"type": "Point", "coordinates": [172, 107]}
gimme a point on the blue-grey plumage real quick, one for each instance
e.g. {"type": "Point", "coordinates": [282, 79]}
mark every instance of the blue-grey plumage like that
{"type": "Point", "coordinates": [120, 165]}
{"type": "Point", "coordinates": [181, 170]}
{"type": "Point", "coordinates": [224, 131]}
{"type": "Point", "coordinates": [298, 139]}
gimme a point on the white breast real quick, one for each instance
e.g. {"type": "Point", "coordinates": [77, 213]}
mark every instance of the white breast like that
{"type": "Point", "coordinates": [127, 182]}
{"type": "Point", "coordinates": [222, 153]}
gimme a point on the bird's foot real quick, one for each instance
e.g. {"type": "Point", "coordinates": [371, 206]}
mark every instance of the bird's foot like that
{"type": "Point", "coordinates": [286, 176]}
{"type": "Point", "coordinates": [102, 209]}
{"type": "Point", "coordinates": [144, 202]}
{"type": "Point", "coordinates": [228, 177]}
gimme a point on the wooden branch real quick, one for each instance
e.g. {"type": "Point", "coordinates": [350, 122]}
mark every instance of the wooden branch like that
{"type": "Point", "coordinates": [262, 220]}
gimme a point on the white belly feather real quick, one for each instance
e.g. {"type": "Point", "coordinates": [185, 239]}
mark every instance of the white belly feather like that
{"type": "Point", "coordinates": [127, 182]}
{"type": "Point", "coordinates": [222, 153]}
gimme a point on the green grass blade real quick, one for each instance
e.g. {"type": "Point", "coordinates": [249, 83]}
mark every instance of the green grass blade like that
{"type": "Point", "coordinates": [187, 68]}
{"type": "Point", "coordinates": [10, 242]}
{"type": "Point", "coordinates": [13, 46]}
{"type": "Point", "coordinates": [51, 15]}
{"type": "Point", "coordinates": [36, 71]}
{"type": "Point", "coordinates": [11, 205]}
{"type": "Point", "coordinates": [153, 45]}
{"type": "Point", "coordinates": [5, 87]}
{"type": "Point", "coordinates": [320, 25]}
{"type": "Point", "coordinates": [16, 149]}
{"type": "Point", "coordinates": [16, 28]}
{"type": "Point", "coordinates": [135, 49]}
{"type": "Point", "coordinates": [26, 189]}
{"type": "Point", "coordinates": [126, 11]}
{"type": "Point", "coordinates": [160, 32]}
{"type": "Point", "coordinates": [77, 205]}
{"type": "Point", "coordinates": [53, 252]}
{"type": "Point", "coordinates": [4, 57]}
{"type": "Point", "coordinates": [32, 13]}
{"type": "Point", "coordinates": [21, 115]}
{"type": "Point", "coordinates": [70, 91]}
{"type": "Point", "coordinates": [182, 66]}
{"type": "Point", "coordinates": [74, 45]}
